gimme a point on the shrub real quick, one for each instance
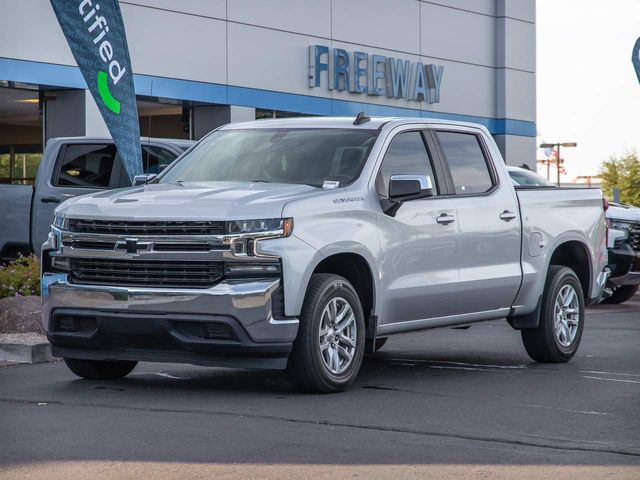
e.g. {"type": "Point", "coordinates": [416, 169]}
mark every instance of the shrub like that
{"type": "Point", "coordinates": [20, 278]}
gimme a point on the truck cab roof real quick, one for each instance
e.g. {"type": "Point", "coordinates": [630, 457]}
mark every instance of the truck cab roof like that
{"type": "Point", "coordinates": [343, 122]}
{"type": "Point", "coordinates": [180, 142]}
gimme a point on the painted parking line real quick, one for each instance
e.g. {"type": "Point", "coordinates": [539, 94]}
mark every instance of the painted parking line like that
{"type": "Point", "coordinates": [612, 379]}
{"type": "Point", "coordinates": [610, 373]}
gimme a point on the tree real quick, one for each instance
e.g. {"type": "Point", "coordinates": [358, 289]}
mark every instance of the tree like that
{"type": "Point", "coordinates": [622, 172]}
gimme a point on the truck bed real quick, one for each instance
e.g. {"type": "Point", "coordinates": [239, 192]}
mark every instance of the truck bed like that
{"type": "Point", "coordinates": [549, 216]}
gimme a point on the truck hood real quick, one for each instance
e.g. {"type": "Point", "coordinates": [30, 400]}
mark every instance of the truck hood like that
{"type": "Point", "coordinates": [623, 212]}
{"type": "Point", "coordinates": [188, 201]}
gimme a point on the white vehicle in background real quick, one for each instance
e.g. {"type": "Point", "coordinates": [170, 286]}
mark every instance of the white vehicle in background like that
{"type": "Point", "coordinates": [523, 177]}
{"type": "Point", "coordinates": [623, 241]}
{"type": "Point", "coordinates": [624, 251]}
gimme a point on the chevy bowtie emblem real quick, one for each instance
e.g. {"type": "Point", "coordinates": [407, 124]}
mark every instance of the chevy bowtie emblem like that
{"type": "Point", "coordinates": [133, 246]}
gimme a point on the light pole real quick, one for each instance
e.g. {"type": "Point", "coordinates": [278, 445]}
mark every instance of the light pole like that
{"type": "Point", "coordinates": [557, 147]}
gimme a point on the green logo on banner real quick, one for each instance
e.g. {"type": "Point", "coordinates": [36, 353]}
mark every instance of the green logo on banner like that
{"type": "Point", "coordinates": [103, 88]}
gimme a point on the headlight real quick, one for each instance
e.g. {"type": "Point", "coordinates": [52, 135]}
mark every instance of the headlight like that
{"type": "Point", "coordinates": [280, 227]}
{"type": "Point", "coordinates": [243, 235]}
{"type": "Point", "coordinates": [59, 221]}
{"type": "Point", "coordinates": [619, 224]}
{"type": "Point", "coordinates": [622, 227]}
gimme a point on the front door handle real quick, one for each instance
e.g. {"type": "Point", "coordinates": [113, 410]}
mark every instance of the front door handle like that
{"type": "Point", "coordinates": [445, 219]}
{"type": "Point", "coordinates": [50, 200]}
{"type": "Point", "coordinates": [507, 216]}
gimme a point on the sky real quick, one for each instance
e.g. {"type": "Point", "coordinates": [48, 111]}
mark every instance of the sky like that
{"type": "Point", "coordinates": [587, 88]}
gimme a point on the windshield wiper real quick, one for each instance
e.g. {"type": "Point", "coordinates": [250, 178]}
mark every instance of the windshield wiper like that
{"type": "Point", "coordinates": [260, 180]}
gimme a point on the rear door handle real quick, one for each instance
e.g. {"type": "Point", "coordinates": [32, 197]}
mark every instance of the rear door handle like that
{"type": "Point", "coordinates": [507, 216]}
{"type": "Point", "coordinates": [445, 219]}
{"type": "Point", "coordinates": [50, 200]}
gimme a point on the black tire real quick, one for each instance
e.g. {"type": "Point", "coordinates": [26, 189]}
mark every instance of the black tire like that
{"type": "Point", "coordinates": [306, 367]}
{"type": "Point", "coordinates": [541, 343]}
{"type": "Point", "coordinates": [100, 369]}
{"type": "Point", "coordinates": [622, 294]}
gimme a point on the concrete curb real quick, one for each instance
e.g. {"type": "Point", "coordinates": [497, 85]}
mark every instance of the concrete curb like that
{"type": "Point", "coordinates": [25, 348]}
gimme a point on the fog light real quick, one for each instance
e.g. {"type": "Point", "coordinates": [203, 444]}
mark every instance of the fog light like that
{"type": "Point", "coordinates": [251, 269]}
{"type": "Point", "coordinates": [66, 324]}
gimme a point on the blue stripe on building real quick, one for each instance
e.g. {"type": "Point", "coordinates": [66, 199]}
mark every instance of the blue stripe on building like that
{"type": "Point", "coordinates": [148, 85]}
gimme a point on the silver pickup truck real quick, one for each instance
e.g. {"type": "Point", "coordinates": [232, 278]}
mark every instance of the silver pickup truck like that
{"type": "Point", "coordinates": [70, 166]}
{"type": "Point", "coordinates": [302, 244]}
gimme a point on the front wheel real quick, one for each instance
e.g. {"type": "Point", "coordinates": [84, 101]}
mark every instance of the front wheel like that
{"type": "Point", "coordinates": [557, 337]}
{"type": "Point", "coordinates": [100, 369]}
{"type": "Point", "coordinates": [328, 349]}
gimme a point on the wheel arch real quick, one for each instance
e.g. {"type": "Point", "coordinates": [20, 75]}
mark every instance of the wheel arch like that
{"type": "Point", "coordinates": [569, 252]}
{"type": "Point", "coordinates": [357, 270]}
{"type": "Point", "coordinates": [575, 255]}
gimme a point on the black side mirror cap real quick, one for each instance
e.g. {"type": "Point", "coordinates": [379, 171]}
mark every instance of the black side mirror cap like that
{"type": "Point", "coordinates": [403, 188]}
{"type": "Point", "coordinates": [143, 179]}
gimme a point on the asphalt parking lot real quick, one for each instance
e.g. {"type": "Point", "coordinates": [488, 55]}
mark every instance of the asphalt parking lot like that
{"type": "Point", "coordinates": [441, 403]}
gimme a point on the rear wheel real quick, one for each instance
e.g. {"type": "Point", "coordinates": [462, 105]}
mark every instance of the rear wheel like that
{"type": "Point", "coordinates": [327, 352]}
{"type": "Point", "coordinates": [622, 294]}
{"type": "Point", "coordinates": [100, 369]}
{"type": "Point", "coordinates": [558, 335]}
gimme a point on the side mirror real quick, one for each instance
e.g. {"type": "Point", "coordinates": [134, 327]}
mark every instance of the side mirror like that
{"type": "Point", "coordinates": [409, 187]}
{"type": "Point", "coordinates": [142, 179]}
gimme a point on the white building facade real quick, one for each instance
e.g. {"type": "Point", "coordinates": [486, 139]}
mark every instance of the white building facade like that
{"type": "Point", "coordinates": [202, 63]}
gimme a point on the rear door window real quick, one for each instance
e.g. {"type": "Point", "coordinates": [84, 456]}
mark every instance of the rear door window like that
{"type": "Point", "coordinates": [466, 160]}
{"type": "Point", "coordinates": [100, 166]}
{"type": "Point", "coordinates": [86, 165]}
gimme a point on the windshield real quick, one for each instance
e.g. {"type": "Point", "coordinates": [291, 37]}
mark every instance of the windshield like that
{"type": "Point", "coordinates": [300, 156]}
{"type": "Point", "coordinates": [526, 178]}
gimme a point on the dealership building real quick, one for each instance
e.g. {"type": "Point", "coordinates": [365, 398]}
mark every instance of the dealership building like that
{"type": "Point", "coordinates": [199, 64]}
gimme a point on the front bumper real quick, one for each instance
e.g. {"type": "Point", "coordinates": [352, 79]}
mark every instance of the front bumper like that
{"type": "Point", "coordinates": [230, 324]}
{"type": "Point", "coordinates": [624, 263]}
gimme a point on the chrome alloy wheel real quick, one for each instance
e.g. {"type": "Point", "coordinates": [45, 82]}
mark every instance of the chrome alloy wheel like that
{"type": "Point", "coordinates": [567, 315]}
{"type": "Point", "coordinates": [338, 335]}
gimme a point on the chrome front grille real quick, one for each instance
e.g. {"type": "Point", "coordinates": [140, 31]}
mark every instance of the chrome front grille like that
{"type": "Point", "coordinates": [151, 228]}
{"type": "Point", "coordinates": [178, 254]}
{"type": "Point", "coordinates": [634, 236]}
{"type": "Point", "coordinates": [147, 273]}
{"type": "Point", "coordinates": [91, 245]}
{"type": "Point", "coordinates": [150, 246]}
{"type": "Point", "coordinates": [186, 247]}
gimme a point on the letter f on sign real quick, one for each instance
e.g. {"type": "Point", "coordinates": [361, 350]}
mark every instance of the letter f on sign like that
{"type": "Point", "coordinates": [316, 65]}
